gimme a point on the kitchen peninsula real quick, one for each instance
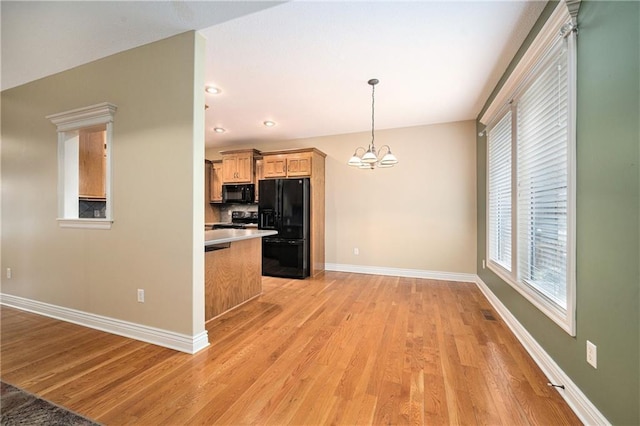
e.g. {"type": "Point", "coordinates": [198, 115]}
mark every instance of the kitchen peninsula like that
{"type": "Point", "coordinates": [233, 268]}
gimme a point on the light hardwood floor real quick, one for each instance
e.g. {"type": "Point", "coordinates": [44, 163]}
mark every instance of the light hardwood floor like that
{"type": "Point", "coordinates": [337, 349]}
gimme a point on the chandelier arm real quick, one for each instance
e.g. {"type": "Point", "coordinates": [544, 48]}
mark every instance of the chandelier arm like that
{"type": "Point", "coordinates": [380, 156]}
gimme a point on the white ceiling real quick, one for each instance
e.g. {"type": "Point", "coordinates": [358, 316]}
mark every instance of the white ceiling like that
{"type": "Point", "coordinates": [302, 64]}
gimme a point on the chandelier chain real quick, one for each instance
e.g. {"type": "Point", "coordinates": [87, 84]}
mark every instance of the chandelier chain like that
{"type": "Point", "coordinates": [373, 104]}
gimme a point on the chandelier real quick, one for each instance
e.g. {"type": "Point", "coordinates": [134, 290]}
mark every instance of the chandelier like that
{"type": "Point", "coordinates": [370, 158]}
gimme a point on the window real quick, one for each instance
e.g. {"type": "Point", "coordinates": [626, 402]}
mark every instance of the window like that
{"type": "Point", "coordinates": [500, 192]}
{"type": "Point", "coordinates": [84, 173]}
{"type": "Point", "coordinates": [543, 178]}
{"type": "Point", "coordinates": [530, 174]}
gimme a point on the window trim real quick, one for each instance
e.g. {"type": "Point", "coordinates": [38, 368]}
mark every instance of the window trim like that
{"type": "Point", "coordinates": [556, 26]}
{"type": "Point", "coordinates": [74, 120]}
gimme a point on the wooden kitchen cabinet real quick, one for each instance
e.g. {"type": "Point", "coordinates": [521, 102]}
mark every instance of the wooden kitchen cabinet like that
{"type": "Point", "coordinates": [294, 163]}
{"type": "Point", "coordinates": [275, 166]}
{"type": "Point", "coordinates": [299, 165]}
{"type": "Point", "coordinates": [233, 275]}
{"type": "Point", "coordinates": [259, 176]}
{"type": "Point", "coordinates": [92, 156]}
{"type": "Point", "coordinates": [306, 162]}
{"type": "Point", "coordinates": [238, 166]}
{"type": "Point", "coordinates": [215, 185]}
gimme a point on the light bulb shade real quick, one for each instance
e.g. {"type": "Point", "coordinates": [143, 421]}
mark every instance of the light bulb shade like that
{"type": "Point", "coordinates": [389, 159]}
{"type": "Point", "coordinates": [369, 157]}
{"type": "Point", "coordinates": [384, 166]}
{"type": "Point", "coordinates": [365, 166]}
{"type": "Point", "coordinates": [355, 161]}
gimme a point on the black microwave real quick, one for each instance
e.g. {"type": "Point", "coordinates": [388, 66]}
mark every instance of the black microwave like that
{"type": "Point", "coordinates": [239, 194]}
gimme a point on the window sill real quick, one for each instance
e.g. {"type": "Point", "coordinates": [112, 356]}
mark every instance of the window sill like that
{"type": "Point", "coordinates": [85, 223]}
{"type": "Point", "coordinates": [562, 318]}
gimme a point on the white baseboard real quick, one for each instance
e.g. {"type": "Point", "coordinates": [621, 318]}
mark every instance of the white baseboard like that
{"type": "Point", "coordinates": [399, 272]}
{"type": "Point", "coordinates": [156, 336]}
{"type": "Point", "coordinates": [579, 403]}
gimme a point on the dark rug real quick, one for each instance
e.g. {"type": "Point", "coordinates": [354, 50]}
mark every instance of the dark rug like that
{"type": "Point", "coordinates": [18, 407]}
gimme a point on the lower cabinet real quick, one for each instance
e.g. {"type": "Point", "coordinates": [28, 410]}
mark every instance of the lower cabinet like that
{"type": "Point", "coordinates": [232, 276]}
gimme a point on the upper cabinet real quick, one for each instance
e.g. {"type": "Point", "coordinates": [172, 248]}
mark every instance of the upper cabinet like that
{"type": "Point", "coordinates": [259, 176]}
{"type": "Point", "coordinates": [299, 164]}
{"type": "Point", "coordinates": [274, 166]}
{"type": "Point", "coordinates": [92, 158]}
{"type": "Point", "coordinates": [290, 163]}
{"type": "Point", "coordinates": [238, 166]}
{"type": "Point", "coordinates": [215, 179]}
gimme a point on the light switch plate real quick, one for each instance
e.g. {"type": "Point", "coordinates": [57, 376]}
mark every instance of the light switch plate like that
{"type": "Point", "coordinates": [592, 354]}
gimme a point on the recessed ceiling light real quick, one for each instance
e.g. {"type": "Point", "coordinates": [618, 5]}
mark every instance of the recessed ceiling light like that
{"type": "Point", "coordinates": [212, 90]}
{"type": "Point", "coordinates": [219, 130]}
{"type": "Point", "coordinates": [269, 123]}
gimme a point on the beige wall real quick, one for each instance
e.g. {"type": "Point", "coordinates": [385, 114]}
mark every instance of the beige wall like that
{"type": "Point", "coordinates": [157, 189]}
{"type": "Point", "coordinates": [420, 214]}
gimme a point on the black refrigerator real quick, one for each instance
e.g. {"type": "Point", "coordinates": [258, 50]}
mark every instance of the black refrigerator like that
{"type": "Point", "coordinates": [284, 207]}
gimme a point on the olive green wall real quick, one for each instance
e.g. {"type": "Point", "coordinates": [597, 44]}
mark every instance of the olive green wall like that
{"type": "Point", "coordinates": [157, 187]}
{"type": "Point", "coordinates": [608, 216]}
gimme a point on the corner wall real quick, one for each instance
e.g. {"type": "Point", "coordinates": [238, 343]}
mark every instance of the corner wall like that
{"type": "Point", "coordinates": [608, 216]}
{"type": "Point", "coordinates": [157, 187]}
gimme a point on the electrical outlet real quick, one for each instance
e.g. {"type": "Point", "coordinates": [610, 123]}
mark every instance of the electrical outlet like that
{"type": "Point", "coordinates": [592, 354]}
{"type": "Point", "coordinates": [9, 274]}
{"type": "Point", "coordinates": [140, 295]}
{"type": "Point", "coordinates": [484, 265]}
{"type": "Point", "coordinates": [356, 251]}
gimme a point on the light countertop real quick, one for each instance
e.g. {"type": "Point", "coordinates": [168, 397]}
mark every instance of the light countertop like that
{"type": "Point", "coordinates": [221, 236]}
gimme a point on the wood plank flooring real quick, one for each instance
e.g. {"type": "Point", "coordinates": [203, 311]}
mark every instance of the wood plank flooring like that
{"type": "Point", "coordinates": [345, 349]}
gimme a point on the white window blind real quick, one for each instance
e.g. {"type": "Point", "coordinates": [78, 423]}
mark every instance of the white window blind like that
{"type": "Point", "coordinates": [499, 140]}
{"type": "Point", "coordinates": [531, 206]}
{"type": "Point", "coordinates": [542, 173]}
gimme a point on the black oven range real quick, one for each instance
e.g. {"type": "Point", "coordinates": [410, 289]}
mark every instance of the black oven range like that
{"type": "Point", "coordinates": [239, 220]}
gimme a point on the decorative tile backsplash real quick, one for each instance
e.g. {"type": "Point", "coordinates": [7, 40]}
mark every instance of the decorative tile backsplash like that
{"type": "Point", "coordinates": [92, 209]}
{"type": "Point", "coordinates": [226, 209]}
